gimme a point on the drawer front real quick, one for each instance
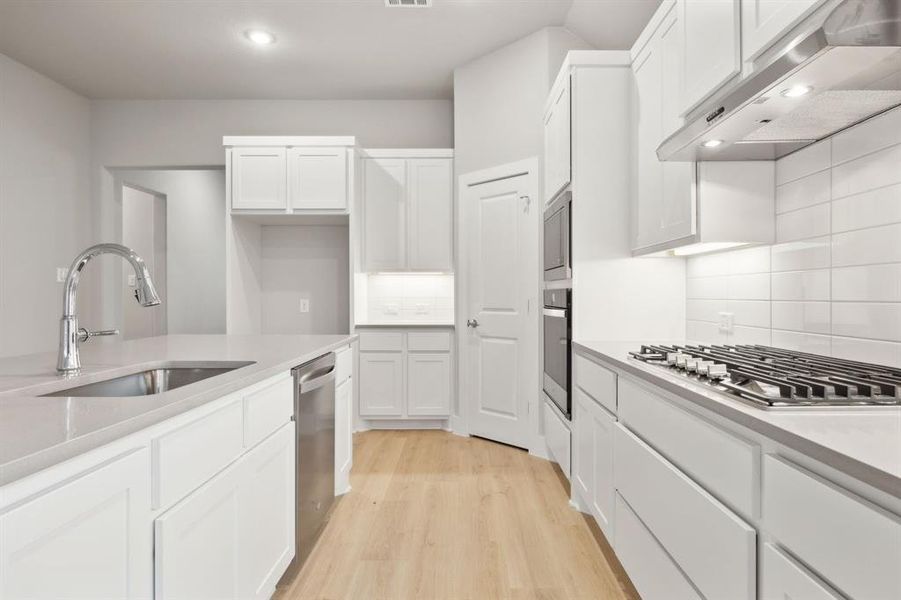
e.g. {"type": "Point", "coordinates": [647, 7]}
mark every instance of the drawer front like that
{"type": "Point", "coordinates": [724, 464]}
{"type": "Point", "coordinates": [343, 365]}
{"type": "Point", "coordinates": [186, 458]}
{"type": "Point", "coordinates": [782, 578]}
{"type": "Point", "coordinates": [852, 544]}
{"type": "Point", "coordinates": [381, 341]}
{"type": "Point", "coordinates": [713, 546]}
{"type": "Point", "coordinates": [267, 409]}
{"type": "Point", "coordinates": [596, 381]}
{"type": "Point", "coordinates": [557, 435]}
{"type": "Point", "coordinates": [654, 574]}
{"type": "Point", "coordinates": [428, 341]}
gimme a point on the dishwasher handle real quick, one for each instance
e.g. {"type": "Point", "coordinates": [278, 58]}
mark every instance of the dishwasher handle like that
{"type": "Point", "coordinates": [316, 379]}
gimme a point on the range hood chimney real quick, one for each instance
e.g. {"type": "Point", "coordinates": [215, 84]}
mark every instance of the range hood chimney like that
{"type": "Point", "coordinates": [846, 71]}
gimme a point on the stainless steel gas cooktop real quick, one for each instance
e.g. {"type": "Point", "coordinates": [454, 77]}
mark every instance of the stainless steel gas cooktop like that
{"type": "Point", "coordinates": [775, 378]}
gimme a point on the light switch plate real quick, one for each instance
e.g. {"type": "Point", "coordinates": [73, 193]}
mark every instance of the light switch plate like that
{"type": "Point", "coordinates": [61, 273]}
{"type": "Point", "coordinates": [726, 321]}
{"type": "Point", "coordinates": [304, 305]}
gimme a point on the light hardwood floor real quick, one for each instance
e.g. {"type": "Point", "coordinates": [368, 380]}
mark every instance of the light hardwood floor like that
{"type": "Point", "coordinates": [433, 515]}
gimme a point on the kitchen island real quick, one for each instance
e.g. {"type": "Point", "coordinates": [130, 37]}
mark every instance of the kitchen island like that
{"type": "Point", "coordinates": [182, 493]}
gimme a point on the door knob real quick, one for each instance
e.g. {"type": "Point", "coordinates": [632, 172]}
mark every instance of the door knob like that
{"type": "Point", "coordinates": [472, 323]}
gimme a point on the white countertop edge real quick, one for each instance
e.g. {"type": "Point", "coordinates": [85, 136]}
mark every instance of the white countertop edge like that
{"type": "Point", "coordinates": [404, 325]}
{"type": "Point", "coordinates": [865, 472]}
{"type": "Point", "coordinates": [23, 466]}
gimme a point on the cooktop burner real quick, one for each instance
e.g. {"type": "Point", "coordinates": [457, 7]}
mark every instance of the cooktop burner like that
{"type": "Point", "coordinates": [775, 378]}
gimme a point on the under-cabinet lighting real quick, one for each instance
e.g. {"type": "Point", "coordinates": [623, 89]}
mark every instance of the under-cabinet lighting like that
{"type": "Point", "coordinates": [705, 247]}
{"type": "Point", "coordinates": [796, 91]}
{"type": "Point", "coordinates": [712, 143]}
{"type": "Point", "coordinates": [260, 37]}
{"type": "Point", "coordinates": [412, 273]}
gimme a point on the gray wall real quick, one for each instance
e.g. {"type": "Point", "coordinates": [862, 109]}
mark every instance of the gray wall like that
{"type": "Point", "coordinates": [45, 183]}
{"type": "Point", "coordinates": [195, 223]}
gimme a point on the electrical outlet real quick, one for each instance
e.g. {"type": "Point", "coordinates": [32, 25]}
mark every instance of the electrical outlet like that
{"type": "Point", "coordinates": [390, 309]}
{"type": "Point", "coordinates": [61, 273]}
{"type": "Point", "coordinates": [422, 309]}
{"type": "Point", "coordinates": [304, 305]}
{"type": "Point", "coordinates": [132, 280]}
{"type": "Point", "coordinates": [726, 321]}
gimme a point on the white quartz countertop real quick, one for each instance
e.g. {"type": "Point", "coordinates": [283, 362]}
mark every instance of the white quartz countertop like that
{"type": "Point", "coordinates": [862, 442]}
{"type": "Point", "coordinates": [37, 432]}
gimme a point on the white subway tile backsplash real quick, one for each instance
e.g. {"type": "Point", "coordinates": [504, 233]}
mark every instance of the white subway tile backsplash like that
{"type": "Point", "coordinates": [801, 255]}
{"type": "Point", "coordinates": [809, 317]}
{"type": "Point", "coordinates": [875, 351]}
{"type": "Point", "coordinates": [874, 134]}
{"type": "Point", "coordinates": [867, 173]}
{"type": "Point", "coordinates": [811, 159]}
{"type": "Point", "coordinates": [800, 285]}
{"type": "Point", "coordinates": [868, 283]}
{"type": "Point", "coordinates": [409, 297]}
{"type": "Point", "coordinates": [804, 223]}
{"type": "Point", "coordinates": [881, 206]}
{"type": "Point", "coordinates": [832, 283]}
{"type": "Point", "coordinates": [804, 192]}
{"type": "Point", "coordinates": [871, 320]}
{"type": "Point", "coordinates": [867, 246]}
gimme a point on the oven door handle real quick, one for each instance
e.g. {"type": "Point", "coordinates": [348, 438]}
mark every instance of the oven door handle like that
{"type": "Point", "coordinates": [556, 312]}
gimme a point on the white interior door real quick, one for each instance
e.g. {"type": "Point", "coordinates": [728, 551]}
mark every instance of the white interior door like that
{"type": "Point", "coordinates": [501, 221]}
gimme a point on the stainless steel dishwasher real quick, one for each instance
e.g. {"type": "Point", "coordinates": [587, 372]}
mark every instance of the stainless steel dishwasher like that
{"type": "Point", "coordinates": [314, 416]}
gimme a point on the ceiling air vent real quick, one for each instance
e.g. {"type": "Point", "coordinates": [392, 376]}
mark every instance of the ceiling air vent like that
{"type": "Point", "coordinates": [408, 3]}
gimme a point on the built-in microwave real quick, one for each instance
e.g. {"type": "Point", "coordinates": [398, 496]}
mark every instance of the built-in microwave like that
{"type": "Point", "coordinates": [557, 238]}
{"type": "Point", "coordinates": [558, 347]}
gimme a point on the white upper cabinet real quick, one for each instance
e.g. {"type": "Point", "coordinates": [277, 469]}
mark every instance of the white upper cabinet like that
{"type": "Point", "coordinates": [258, 178]}
{"type": "Point", "coordinates": [765, 21]}
{"type": "Point", "coordinates": [711, 47]}
{"type": "Point", "coordinates": [89, 537]}
{"type": "Point", "coordinates": [317, 178]}
{"type": "Point", "coordinates": [557, 147]}
{"type": "Point", "coordinates": [384, 214]}
{"type": "Point", "coordinates": [289, 174]}
{"type": "Point", "coordinates": [407, 212]}
{"type": "Point", "coordinates": [430, 214]}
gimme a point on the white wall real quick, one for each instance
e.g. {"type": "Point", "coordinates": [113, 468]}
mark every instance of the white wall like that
{"type": "Point", "coordinates": [499, 100]}
{"type": "Point", "coordinates": [144, 231]}
{"type": "Point", "coordinates": [45, 201]}
{"type": "Point", "coordinates": [832, 282]}
{"type": "Point", "coordinates": [304, 261]}
{"type": "Point", "coordinates": [195, 239]}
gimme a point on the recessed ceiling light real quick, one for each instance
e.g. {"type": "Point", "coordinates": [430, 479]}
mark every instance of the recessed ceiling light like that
{"type": "Point", "coordinates": [796, 90]}
{"type": "Point", "coordinates": [259, 37]}
{"type": "Point", "coordinates": [712, 143]}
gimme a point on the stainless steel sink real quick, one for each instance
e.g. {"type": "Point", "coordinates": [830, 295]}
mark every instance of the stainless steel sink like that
{"type": "Point", "coordinates": [154, 381]}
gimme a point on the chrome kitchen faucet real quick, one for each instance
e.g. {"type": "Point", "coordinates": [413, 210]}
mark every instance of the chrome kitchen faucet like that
{"type": "Point", "coordinates": [70, 335]}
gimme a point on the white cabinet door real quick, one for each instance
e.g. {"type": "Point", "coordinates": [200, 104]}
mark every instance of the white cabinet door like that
{"type": "Point", "coordinates": [647, 202]}
{"type": "Point", "coordinates": [317, 178]}
{"type": "Point", "coordinates": [764, 21]}
{"type": "Point", "coordinates": [781, 578]}
{"type": "Point", "coordinates": [582, 447]}
{"type": "Point", "coordinates": [557, 148]}
{"type": "Point", "coordinates": [91, 537]}
{"type": "Point", "coordinates": [381, 384]}
{"type": "Point", "coordinates": [430, 225]}
{"type": "Point", "coordinates": [234, 537]}
{"type": "Point", "coordinates": [343, 436]}
{"type": "Point", "coordinates": [602, 494]}
{"type": "Point", "coordinates": [428, 385]}
{"type": "Point", "coordinates": [384, 214]}
{"type": "Point", "coordinates": [711, 42]}
{"type": "Point", "coordinates": [259, 177]}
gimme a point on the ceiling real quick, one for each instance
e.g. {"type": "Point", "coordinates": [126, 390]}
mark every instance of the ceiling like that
{"type": "Point", "coordinates": [325, 49]}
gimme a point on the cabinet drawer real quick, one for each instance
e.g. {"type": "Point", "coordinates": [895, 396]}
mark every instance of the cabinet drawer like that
{"type": "Point", "coordinates": [715, 548]}
{"type": "Point", "coordinates": [381, 341]}
{"type": "Point", "coordinates": [267, 409]}
{"type": "Point", "coordinates": [596, 381]}
{"type": "Point", "coordinates": [783, 578]}
{"type": "Point", "coordinates": [723, 463]}
{"type": "Point", "coordinates": [428, 341]}
{"type": "Point", "coordinates": [654, 574]}
{"type": "Point", "coordinates": [343, 365]}
{"type": "Point", "coordinates": [852, 544]}
{"type": "Point", "coordinates": [187, 457]}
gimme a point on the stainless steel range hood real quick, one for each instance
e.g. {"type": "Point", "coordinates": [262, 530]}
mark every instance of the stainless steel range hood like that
{"type": "Point", "coordinates": [847, 70]}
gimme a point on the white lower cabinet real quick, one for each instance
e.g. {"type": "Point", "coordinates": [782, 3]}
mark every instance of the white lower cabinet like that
{"type": "Point", "coordinates": [405, 374]}
{"type": "Point", "coordinates": [783, 578]}
{"type": "Point", "coordinates": [233, 537]}
{"type": "Point", "coordinates": [89, 537]}
{"type": "Point", "coordinates": [343, 436]}
{"type": "Point", "coordinates": [592, 470]}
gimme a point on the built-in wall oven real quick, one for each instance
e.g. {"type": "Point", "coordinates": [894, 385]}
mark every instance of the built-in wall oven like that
{"type": "Point", "coordinates": [558, 347]}
{"type": "Point", "coordinates": [557, 218]}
